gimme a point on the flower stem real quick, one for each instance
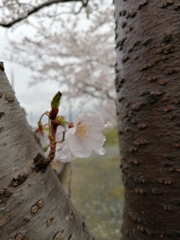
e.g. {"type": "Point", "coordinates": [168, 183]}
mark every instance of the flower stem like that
{"type": "Point", "coordinates": [52, 145]}
{"type": "Point", "coordinates": [46, 113]}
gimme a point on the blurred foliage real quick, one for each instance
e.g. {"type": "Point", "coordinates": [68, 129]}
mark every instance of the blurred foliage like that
{"type": "Point", "coordinates": [111, 137]}
{"type": "Point", "coordinates": [97, 192]}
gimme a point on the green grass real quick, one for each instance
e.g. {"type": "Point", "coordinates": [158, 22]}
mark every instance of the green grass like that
{"type": "Point", "coordinates": [97, 190]}
{"type": "Point", "coordinates": [111, 137]}
{"type": "Point", "coordinates": [98, 193]}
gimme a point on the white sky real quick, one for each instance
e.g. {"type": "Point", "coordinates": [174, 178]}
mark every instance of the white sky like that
{"type": "Point", "coordinates": [34, 99]}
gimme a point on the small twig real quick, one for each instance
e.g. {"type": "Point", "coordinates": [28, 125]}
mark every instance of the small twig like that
{"type": "Point", "coordinates": [52, 145]}
{"type": "Point", "coordinates": [69, 180]}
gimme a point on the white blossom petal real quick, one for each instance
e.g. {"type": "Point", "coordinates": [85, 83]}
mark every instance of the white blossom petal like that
{"type": "Point", "coordinates": [86, 135]}
{"type": "Point", "coordinates": [59, 133]}
{"type": "Point", "coordinates": [65, 155]}
{"type": "Point", "coordinates": [44, 139]}
{"type": "Point", "coordinates": [101, 151]}
{"type": "Point", "coordinates": [91, 118]}
{"type": "Point", "coordinates": [95, 141]}
{"type": "Point", "coordinates": [77, 146]}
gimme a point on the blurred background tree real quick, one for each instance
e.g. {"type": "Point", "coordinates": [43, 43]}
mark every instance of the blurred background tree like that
{"type": "Point", "coordinates": [70, 43]}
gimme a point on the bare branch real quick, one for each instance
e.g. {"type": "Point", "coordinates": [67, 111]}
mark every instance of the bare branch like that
{"type": "Point", "coordinates": [84, 5]}
{"type": "Point", "coordinates": [36, 9]}
{"type": "Point", "coordinates": [97, 89]}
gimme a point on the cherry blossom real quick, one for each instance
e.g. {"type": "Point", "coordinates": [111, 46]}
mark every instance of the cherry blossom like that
{"type": "Point", "coordinates": [84, 137]}
{"type": "Point", "coordinates": [64, 154]}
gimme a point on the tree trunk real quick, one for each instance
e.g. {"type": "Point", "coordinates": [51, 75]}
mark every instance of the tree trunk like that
{"type": "Point", "coordinates": [148, 108]}
{"type": "Point", "coordinates": [33, 205]}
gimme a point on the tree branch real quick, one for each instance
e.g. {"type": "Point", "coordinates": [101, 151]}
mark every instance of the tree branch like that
{"type": "Point", "coordinates": [34, 204]}
{"type": "Point", "coordinates": [34, 10]}
{"type": "Point", "coordinates": [97, 89]}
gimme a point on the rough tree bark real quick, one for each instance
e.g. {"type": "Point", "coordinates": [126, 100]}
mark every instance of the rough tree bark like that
{"type": "Point", "coordinates": [148, 108]}
{"type": "Point", "coordinates": [33, 205]}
